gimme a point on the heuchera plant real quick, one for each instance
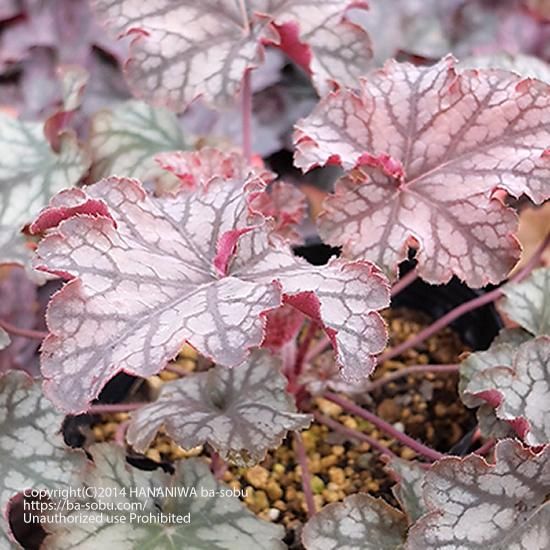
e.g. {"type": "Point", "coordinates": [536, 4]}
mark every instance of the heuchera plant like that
{"type": "Point", "coordinates": [163, 239]}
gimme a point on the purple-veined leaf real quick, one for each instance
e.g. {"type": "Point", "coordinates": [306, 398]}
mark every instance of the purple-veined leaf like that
{"type": "Point", "coordinates": [360, 522]}
{"type": "Point", "coordinates": [125, 140]}
{"type": "Point", "coordinates": [409, 487]}
{"type": "Point", "coordinates": [518, 387]}
{"type": "Point", "coordinates": [31, 172]}
{"type": "Point", "coordinates": [528, 303]}
{"type": "Point", "coordinates": [527, 66]}
{"type": "Point", "coordinates": [185, 49]}
{"type": "Point", "coordinates": [18, 306]}
{"type": "Point", "coordinates": [500, 353]}
{"type": "Point", "coordinates": [153, 272]}
{"type": "Point", "coordinates": [33, 454]}
{"type": "Point", "coordinates": [479, 505]}
{"type": "Point", "coordinates": [241, 412]}
{"type": "Point", "coordinates": [343, 297]}
{"type": "Point", "coordinates": [216, 520]}
{"type": "Point", "coordinates": [428, 147]}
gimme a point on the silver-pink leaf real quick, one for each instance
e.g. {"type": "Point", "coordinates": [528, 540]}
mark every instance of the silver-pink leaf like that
{"type": "Point", "coordinates": [360, 522]}
{"type": "Point", "coordinates": [241, 412]}
{"type": "Point", "coordinates": [184, 49]}
{"type": "Point", "coordinates": [518, 388]}
{"type": "Point", "coordinates": [131, 518]}
{"type": "Point", "coordinates": [428, 147]}
{"type": "Point", "coordinates": [30, 173]}
{"type": "Point", "coordinates": [528, 302]}
{"type": "Point", "coordinates": [33, 454]}
{"type": "Point", "coordinates": [474, 504]}
{"type": "Point", "coordinates": [149, 273]}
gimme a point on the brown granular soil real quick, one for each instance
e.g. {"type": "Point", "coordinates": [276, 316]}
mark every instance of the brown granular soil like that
{"type": "Point", "coordinates": [425, 406]}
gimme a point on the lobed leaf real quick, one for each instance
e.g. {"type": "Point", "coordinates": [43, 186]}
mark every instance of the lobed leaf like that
{"type": "Point", "coordinates": [241, 413]}
{"type": "Point", "coordinates": [360, 522]}
{"type": "Point", "coordinates": [479, 505]}
{"type": "Point", "coordinates": [33, 454]}
{"type": "Point", "coordinates": [518, 387]}
{"type": "Point", "coordinates": [217, 521]}
{"type": "Point", "coordinates": [125, 140]}
{"type": "Point", "coordinates": [427, 148]}
{"type": "Point", "coordinates": [501, 351]}
{"type": "Point", "coordinates": [191, 266]}
{"type": "Point", "coordinates": [184, 49]}
{"type": "Point", "coordinates": [528, 302]}
{"type": "Point", "coordinates": [30, 173]}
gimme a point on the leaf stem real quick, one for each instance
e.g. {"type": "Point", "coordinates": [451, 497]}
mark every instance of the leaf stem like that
{"type": "Point", "coordinates": [304, 347]}
{"type": "Point", "coordinates": [120, 434]}
{"type": "Point", "coordinates": [244, 13]}
{"type": "Point", "coordinates": [406, 440]}
{"type": "Point", "coordinates": [414, 369]}
{"type": "Point", "coordinates": [114, 408]}
{"type": "Point", "coordinates": [25, 333]}
{"type": "Point", "coordinates": [317, 348]}
{"type": "Point", "coordinates": [176, 370]}
{"type": "Point", "coordinates": [354, 434]}
{"type": "Point", "coordinates": [218, 466]}
{"type": "Point", "coordinates": [306, 474]}
{"type": "Point", "coordinates": [485, 448]}
{"type": "Point", "coordinates": [404, 282]}
{"type": "Point", "coordinates": [246, 107]}
{"type": "Point", "coordinates": [466, 307]}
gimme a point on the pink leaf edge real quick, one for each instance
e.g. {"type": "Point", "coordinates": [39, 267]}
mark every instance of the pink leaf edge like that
{"type": "Point", "coordinates": [145, 280]}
